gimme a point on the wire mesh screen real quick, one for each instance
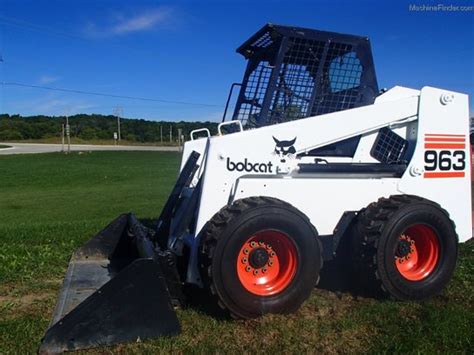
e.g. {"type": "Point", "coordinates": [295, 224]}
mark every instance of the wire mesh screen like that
{"type": "Point", "coordinates": [295, 73]}
{"type": "Point", "coordinates": [388, 147]}
{"type": "Point", "coordinates": [264, 41]}
{"type": "Point", "coordinates": [254, 94]}
{"type": "Point", "coordinates": [341, 80]}
{"type": "Point", "coordinates": [345, 72]}
{"type": "Point", "coordinates": [296, 80]}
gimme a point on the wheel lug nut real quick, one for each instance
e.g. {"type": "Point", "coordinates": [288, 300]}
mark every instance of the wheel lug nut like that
{"type": "Point", "coordinates": [253, 244]}
{"type": "Point", "coordinates": [244, 260]}
{"type": "Point", "coordinates": [248, 268]}
{"type": "Point", "coordinates": [264, 270]}
{"type": "Point", "coordinates": [272, 253]}
{"type": "Point", "coordinates": [270, 263]}
{"type": "Point", "coordinates": [261, 243]}
{"type": "Point", "coordinates": [255, 272]}
{"type": "Point", "coordinates": [246, 251]}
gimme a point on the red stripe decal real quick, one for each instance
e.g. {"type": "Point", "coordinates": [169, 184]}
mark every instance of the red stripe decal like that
{"type": "Point", "coordinates": [445, 140]}
{"type": "Point", "coordinates": [445, 135]}
{"type": "Point", "coordinates": [444, 174]}
{"type": "Point", "coordinates": [444, 146]}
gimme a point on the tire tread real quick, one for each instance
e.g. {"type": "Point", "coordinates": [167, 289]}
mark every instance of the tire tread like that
{"type": "Point", "coordinates": [370, 225]}
{"type": "Point", "coordinates": [214, 229]}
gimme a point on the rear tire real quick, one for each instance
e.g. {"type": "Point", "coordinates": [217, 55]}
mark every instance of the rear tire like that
{"type": "Point", "coordinates": [260, 255]}
{"type": "Point", "coordinates": [405, 247]}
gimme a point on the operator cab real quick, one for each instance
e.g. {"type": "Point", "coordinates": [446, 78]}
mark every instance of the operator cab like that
{"type": "Point", "coordinates": [294, 73]}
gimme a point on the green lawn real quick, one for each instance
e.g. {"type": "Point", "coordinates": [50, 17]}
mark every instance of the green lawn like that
{"type": "Point", "coordinates": [50, 204]}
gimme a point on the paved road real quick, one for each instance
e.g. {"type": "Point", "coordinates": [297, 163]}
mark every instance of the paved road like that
{"type": "Point", "coordinates": [31, 148]}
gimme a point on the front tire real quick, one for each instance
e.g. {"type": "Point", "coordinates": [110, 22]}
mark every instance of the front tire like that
{"type": "Point", "coordinates": [405, 247]}
{"type": "Point", "coordinates": [260, 255]}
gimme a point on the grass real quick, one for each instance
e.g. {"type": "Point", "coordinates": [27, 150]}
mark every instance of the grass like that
{"type": "Point", "coordinates": [51, 204]}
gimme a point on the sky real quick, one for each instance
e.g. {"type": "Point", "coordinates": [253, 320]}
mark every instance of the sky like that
{"type": "Point", "coordinates": [181, 54]}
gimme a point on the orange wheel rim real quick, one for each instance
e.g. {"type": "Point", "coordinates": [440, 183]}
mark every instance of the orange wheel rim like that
{"type": "Point", "coordinates": [267, 263]}
{"type": "Point", "coordinates": [417, 252]}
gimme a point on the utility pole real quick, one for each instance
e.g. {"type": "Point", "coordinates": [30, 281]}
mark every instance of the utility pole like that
{"type": "Point", "coordinates": [68, 135]}
{"type": "Point", "coordinates": [180, 140]}
{"type": "Point", "coordinates": [171, 133]}
{"type": "Point", "coordinates": [62, 137]}
{"type": "Point", "coordinates": [118, 112]}
{"type": "Point", "coordinates": [161, 134]}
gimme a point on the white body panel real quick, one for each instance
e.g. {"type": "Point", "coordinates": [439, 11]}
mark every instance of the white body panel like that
{"type": "Point", "coordinates": [244, 164]}
{"type": "Point", "coordinates": [453, 194]}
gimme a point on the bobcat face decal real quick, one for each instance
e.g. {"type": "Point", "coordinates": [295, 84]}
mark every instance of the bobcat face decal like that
{"type": "Point", "coordinates": [284, 148]}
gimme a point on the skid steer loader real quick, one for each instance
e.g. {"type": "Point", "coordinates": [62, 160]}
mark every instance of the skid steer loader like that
{"type": "Point", "coordinates": [314, 153]}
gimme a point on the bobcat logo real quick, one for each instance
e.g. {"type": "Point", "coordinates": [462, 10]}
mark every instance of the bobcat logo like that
{"type": "Point", "coordinates": [284, 148]}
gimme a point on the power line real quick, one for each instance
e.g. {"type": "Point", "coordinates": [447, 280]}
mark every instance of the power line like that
{"type": "Point", "coordinates": [49, 30]}
{"type": "Point", "coordinates": [83, 92]}
{"type": "Point", "coordinates": [20, 23]}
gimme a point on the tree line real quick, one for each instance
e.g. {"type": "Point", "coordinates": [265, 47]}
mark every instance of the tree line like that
{"type": "Point", "coordinates": [95, 126]}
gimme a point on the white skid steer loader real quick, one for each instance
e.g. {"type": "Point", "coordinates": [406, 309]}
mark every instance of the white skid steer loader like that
{"type": "Point", "coordinates": [313, 154]}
